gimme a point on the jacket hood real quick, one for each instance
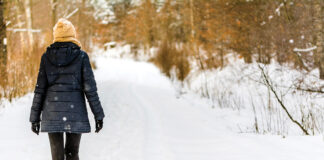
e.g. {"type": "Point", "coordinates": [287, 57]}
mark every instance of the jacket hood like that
{"type": "Point", "coordinates": [62, 53]}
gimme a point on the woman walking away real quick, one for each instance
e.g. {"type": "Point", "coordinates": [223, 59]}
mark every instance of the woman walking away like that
{"type": "Point", "coordinates": [64, 77]}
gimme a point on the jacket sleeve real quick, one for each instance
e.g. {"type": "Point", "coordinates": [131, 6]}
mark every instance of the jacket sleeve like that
{"type": "Point", "coordinates": [90, 88]}
{"type": "Point", "coordinates": [39, 93]}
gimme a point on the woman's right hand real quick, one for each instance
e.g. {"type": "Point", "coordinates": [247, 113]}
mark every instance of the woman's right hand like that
{"type": "Point", "coordinates": [99, 125]}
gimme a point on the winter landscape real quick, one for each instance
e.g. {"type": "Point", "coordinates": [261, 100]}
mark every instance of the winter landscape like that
{"type": "Point", "coordinates": [148, 120]}
{"type": "Point", "coordinates": [177, 80]}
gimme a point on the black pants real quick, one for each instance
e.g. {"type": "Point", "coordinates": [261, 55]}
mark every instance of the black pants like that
{"type": "Point", "coordinates": [71, 149]}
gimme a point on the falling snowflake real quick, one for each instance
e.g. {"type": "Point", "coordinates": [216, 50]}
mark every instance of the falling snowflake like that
{"type": "Point", "coordinates": [263, 23]}
{"type": "Point", "coordinates": [271, 16]}
{"type": "Point", "coordinates": [87, 87]}
{"type": "Point", "coordinates": [67, 127]}
{"type": "Point", "coordinates": [64, 118]}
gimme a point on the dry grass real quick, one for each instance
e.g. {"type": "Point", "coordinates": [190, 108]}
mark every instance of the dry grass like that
{"type": "Point", "coordinates": [182, 65]}
{"type": "Point", "coordinates": [21, 70]}
{"type": "Point", "coordinates": [169, 57]}
{"type": "Point", "coordinates": [164, 58]}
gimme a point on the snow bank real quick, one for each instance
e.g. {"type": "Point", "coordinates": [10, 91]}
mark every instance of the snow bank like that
{"type": "Point", "coordinates": [124, 51]}
{"type": "Point", "coordinates": [241, 87]}
{"type": "Point", "coordinates": [147, 121]}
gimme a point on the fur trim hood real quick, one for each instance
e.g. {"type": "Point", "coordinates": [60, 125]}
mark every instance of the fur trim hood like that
{"type": "Point", "coordinates": [64, 31]}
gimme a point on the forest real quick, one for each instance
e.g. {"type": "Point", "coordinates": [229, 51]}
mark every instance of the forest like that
{"type": "Point", "coordinates": [204, 31]}
{"type": "Point", "coordinates": [176, 79]}
{"type": "Point", "coordinates": [180, 37]}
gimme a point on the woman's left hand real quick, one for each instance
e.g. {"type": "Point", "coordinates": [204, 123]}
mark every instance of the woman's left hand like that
{"type": "Point", "coordinates": [35, 127]}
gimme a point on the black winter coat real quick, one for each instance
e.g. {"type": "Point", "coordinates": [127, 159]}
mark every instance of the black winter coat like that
{"type": "Point", "coordinates": [64, 77]}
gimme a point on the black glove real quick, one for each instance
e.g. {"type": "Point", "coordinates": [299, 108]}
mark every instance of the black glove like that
{"type": "Point", "coordinates": [99, 124]}
{"type": "Point", "coordinates": [35, 127]}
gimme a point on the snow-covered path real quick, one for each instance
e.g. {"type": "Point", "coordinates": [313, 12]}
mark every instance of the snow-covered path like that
{"type": "Point", "coordinates": [145, 121]}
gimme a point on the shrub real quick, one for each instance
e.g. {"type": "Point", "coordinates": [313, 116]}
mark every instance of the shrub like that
{"type": "Point", "coordinates": [21, 71]}
{"type": "Point", "coordinates": [168, 57]}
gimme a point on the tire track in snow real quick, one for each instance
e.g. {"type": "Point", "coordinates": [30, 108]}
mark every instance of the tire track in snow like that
{"type": "Point", "coordinates": [123, 134]}
{"type": "Point", "coordinates": [156, 145]}
{"type": "Point", "coordinates": [146, 122]}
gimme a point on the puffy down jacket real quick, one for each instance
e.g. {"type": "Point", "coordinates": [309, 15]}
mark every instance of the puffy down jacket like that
{"type": "Point", "coordinates": [64, 77]}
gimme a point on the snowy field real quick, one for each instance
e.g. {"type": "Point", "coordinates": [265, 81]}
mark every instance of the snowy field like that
{"type": "Point", "coordinates": [146, 121]}
{"type": "Point", "coordinates": [241, 87]}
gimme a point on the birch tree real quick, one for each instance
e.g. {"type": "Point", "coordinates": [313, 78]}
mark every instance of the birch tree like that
{"type": "Point", "coordinates": [53, 7]}
{"type": "Point", "coordinates": [19, 9]}
{"type": "Point", "coordinates": [29, 23]}
{"type": "Point", "coordinates": [319, 10]}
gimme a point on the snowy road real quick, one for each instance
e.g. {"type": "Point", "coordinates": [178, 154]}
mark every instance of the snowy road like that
{"type": "Point", "coordinates": [145, 121]}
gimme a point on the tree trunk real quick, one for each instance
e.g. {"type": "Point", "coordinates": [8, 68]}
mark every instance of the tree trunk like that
{"type": "Point", "coordinates": [222, 54]}
{"type": "Point", "coordinates": [82, 25]}
{"type": "Point", "coordinates": [20, 25]}
{"type": "Point", "coordinates": [53, 21]}
{"type": "Point", "coordinates": [319, 11]}
{"type": "Point", "coordinates": [29, 24]}
{"type": "Point", "coordinates": [192, 33]}
{"type": "Point", "coordinates": [53, 6]}
{"type": "Point", "coordinates": [3, 43]}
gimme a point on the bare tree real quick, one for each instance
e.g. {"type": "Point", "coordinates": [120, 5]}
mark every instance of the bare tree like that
{"type": "Point", "coordinates": [53, 7]}
{"type": "Point", "coordinates": [19, 9]}
{"type": "Point", "coordinates": [3, 41]}
{"type": "Point", "coordinates": [319, 15]}
{"type": "Point", "coordinates": [29, 23]}
{"type": "Point", "coordinates": [270, 85]}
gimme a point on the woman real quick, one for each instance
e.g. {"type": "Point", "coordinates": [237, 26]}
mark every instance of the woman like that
{"type": "Point", "coordinates": [64, 77]}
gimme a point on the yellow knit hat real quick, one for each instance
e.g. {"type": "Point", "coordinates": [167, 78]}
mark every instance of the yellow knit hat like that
{"type": "Point", "coordinates": [64, 31]}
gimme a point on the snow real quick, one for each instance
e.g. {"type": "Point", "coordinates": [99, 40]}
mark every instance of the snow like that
{"type": "Point", "coordinates": [71, 14]}
{"type": "Point", "coordinates": [305, 50]}
{"type": "Point", "coordinates": [278, 9]}
{"type": "Point", "coordinates": [146, 121]}
{"type": "Point", "coordinates": [263, 23]}
{"type": "Point", "coordinates": [24, 30]}
{"type": "Point", "coordinates": [240, 87]}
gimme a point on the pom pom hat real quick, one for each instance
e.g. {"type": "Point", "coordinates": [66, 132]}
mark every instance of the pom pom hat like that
{"type": "Point", "coordinates": [64, 31]}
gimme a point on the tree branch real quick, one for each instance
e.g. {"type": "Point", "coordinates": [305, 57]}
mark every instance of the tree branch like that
{"type": "Point", "coordinates": [266, 79]}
